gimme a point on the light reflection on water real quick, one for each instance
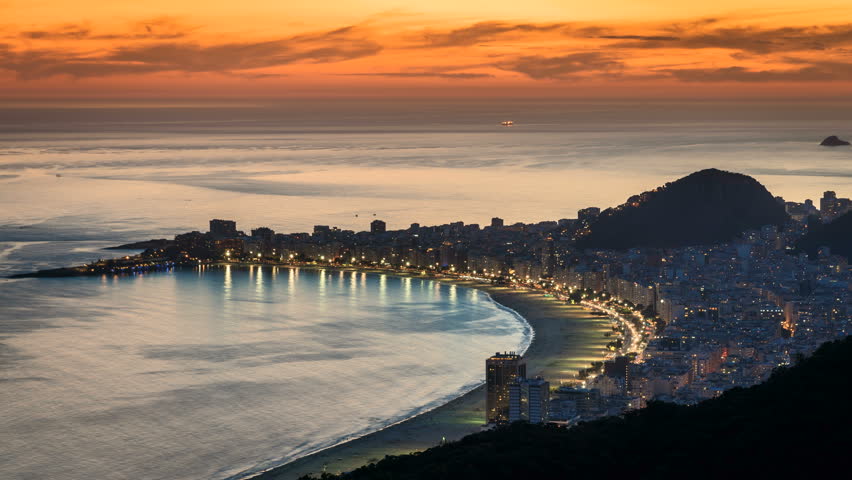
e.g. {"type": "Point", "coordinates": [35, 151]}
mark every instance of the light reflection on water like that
{"type": "Point", "coordinates": [207, 373]}
{"type": "Point", "coordinates": [406, 285]}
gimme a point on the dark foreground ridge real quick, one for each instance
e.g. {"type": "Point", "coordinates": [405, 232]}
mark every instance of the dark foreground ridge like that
{"type": "Point", "coordinates": [836, 235]}
{"type": "Point", "coordinates": [706, 207]}
{"type": "Point", "coordinates": [796, 423]}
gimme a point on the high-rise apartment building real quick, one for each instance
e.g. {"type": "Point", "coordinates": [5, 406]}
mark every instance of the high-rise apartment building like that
{"type": "Point", "coordinates": [548, 258]}
{"type": "Point", "coordinates": [378, 226]}
{"type": "Point", "coordinates": [223, 228]}
{"type": "Point", "coordinates": [529, 400]}
{"type": "Point", "coordinates": [501, 371]}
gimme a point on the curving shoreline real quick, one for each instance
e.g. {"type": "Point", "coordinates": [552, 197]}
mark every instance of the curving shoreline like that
{"type": "Point", "coordinates": [563, 339]}
{"type": "Point", "coordinates": [529, 338]}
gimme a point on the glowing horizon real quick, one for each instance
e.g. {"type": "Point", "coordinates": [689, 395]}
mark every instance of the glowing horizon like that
{"type": "Point", "coordinates": [340, 48]}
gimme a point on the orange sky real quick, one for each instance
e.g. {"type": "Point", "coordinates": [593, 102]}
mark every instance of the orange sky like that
{"type": "Point", "coordinates": [623, 48]}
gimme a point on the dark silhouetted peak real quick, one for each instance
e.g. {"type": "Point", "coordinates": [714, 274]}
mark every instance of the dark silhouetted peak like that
{"type": "Point", "coordinates": [833, 141]}
{"type": "Point", "coordinates": [716, 175]}
{"type": "Point", "coordinates": [709, 206]}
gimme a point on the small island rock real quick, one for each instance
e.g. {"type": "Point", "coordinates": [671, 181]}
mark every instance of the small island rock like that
{"type": "Point", "coordinates": [833, 141]}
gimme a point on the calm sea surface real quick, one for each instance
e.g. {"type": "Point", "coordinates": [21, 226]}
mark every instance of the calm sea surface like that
{"type": "Point", "coordinates": [221, 371]}
{"type": "Point", "coordinates": [213, 373]}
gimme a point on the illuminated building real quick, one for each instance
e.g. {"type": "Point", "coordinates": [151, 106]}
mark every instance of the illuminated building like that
{"type": "Point", "coordinates": [223, 228]}
{"type": "Point", "coordinates": [501, 371]}
{"type": "Point", "coordinates": [588, 214]}
{"type": "Point", "coordinates": [233, 247]}
{"type": "Point", "coordinates": [263, 233]}
{"type": "Point", "coordinates": [321, 233]}
{"type": "Point", "coordinates": [548, 258]}
{"type": "Point", "coordinates": [529, 400]}
{"type": "Point", "coordinates": [832, 207]}
{"type": "Point", "coordinates": [577, 401]}
{"type": "Point", "coordinates": [453, 256]}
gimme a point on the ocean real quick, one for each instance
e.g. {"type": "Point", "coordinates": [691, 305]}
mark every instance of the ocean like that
{"type": "Point", "coordinates": [222, 371]}
{"type": "Point", "coordinates": [215, 373]}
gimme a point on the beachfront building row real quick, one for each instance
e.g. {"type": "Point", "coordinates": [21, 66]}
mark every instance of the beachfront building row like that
{"type": "Point", "coordinates": [721, 315]}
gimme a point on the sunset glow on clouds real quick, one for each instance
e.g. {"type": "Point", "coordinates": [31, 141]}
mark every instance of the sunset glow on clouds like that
{"type": "Point", "coordinates": [341, 48]}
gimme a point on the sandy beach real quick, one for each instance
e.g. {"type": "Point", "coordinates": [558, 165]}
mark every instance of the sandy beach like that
{"type": "Point", "coordinates": [567, 338]}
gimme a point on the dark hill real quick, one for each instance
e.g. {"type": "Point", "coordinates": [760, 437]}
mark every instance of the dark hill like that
{"type": "Point", "coordinates": [795, 425]}
{"type": "Point", "coordinates": [705, 207]}
{"type": "Point", "coordinates": [836, 235]}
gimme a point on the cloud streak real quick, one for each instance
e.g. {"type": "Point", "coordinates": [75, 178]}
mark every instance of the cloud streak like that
{"type": "Point", "coordinates": [542, 67]}
{"type": "Point", "coordinates": [537, 51]}
{"type": "Point", "coordinates": [453, 75]}
{"type": "Point", "coordinates": [160, 28]}
{"type": "Point", "coordinates": [747, 39]}
{"type": "Point", "coordinates": [326, 47]}
{"type": "Point", "coordinates": [646, 38]}
{"type": "Point", "coordinates": [484, 32]}
{"type": "Point", "coordinates": [810, 72]}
